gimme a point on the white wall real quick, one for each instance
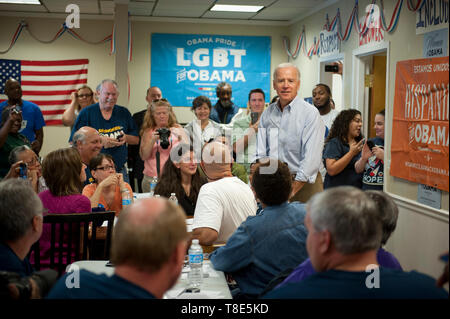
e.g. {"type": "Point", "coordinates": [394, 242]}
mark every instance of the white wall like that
{"type": "Point", "coordinates": [101, 64]}
{"type": "Point", "coordinates": [422, 232]}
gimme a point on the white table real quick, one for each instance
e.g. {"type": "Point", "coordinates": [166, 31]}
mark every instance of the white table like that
{"type": "Point", "coordinates": [214, 285]}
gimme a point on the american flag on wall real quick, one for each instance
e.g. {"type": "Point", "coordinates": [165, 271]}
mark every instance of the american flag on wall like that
{"type": "Point", "coordinates": [46, 83]}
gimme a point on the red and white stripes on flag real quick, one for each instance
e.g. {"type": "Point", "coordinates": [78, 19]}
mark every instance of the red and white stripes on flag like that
{"type": "Point", "coordinates": [49, 84]}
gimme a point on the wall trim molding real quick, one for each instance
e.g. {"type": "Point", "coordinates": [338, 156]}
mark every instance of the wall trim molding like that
{"type": "Point", "coordinates": [413, 206]}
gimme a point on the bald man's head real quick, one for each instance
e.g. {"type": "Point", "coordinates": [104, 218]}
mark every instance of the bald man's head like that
{"type": "Point", "coordinates": [88, 142]}
{"type": "Point", "coordinates": [217, 159]}
{"type": "Point", "coordinates": [147, 234]}
{"type": "Point", "coordinates": [13, 90]}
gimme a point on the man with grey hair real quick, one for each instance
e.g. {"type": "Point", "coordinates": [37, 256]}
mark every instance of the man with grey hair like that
{"type": "Point", "coordinates": [114, 124]}
{"type": "Point", "coordinates": [292, 131]}
{"type": "Point", "coordinates": [344, 234]}
{"type": "Point", "coordinates": [225, 109]}
{"type": "Point", "coordinates": [20, 225]}
{"type": "Point", "coordinates": [148, 247]}
{"type": "Point", "coordinates": [88, 142]}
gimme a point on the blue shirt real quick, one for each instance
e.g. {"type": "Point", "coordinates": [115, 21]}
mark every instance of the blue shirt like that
{"type": "Point", "coordinates": [220, 115]}
{"type": "Point", "coordinates": [335, 149]}
{"type": "Point", "coordinates": [338, 284]}
{"type": "Point", "coordinates": [10, 262]}
{"type": "Point", "coordinates": [294, 136]}
{"type": "Point", "coordinates": [32, 119]}
{"type": "Point", "coordinates": [263, 246]}
{"type": "Point", "coordinates": [120, 122]}
{"type": "Point", "coordinates": [94, 286]}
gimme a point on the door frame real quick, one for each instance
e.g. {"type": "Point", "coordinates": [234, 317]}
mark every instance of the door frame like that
{"type": "Point", "coordinates": [321, 71]}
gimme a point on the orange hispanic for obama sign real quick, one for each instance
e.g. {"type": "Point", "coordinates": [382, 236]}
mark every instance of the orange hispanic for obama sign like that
{"type": "Point", "coordinates": [419, 147]}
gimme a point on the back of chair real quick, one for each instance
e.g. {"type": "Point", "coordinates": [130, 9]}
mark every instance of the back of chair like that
{"type": "Point", "coordinates": [68, 230]}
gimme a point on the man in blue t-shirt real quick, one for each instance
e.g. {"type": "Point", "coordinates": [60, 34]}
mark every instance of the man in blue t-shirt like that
{"type": "Point", "coordinates": [33, 120]}
{"type": "Point", "coordinates": [148, 247]}
{"type": "Point", "coordinates": [344, 234]}
{"type": "Point", "coordinates": [113, 122]}
{"type": "Point", "coordinates": [225, 109]}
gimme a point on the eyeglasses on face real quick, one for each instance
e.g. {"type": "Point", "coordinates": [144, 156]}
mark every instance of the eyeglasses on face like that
{"type": "Point", "coordinates": [81, 96]}
{"type": "Point", "coordinates": [106, 168]}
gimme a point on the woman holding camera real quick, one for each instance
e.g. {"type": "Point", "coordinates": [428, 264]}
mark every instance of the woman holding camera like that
{"type": "Point", "coordinates": [108, 187]}
{"type": "Point", "coordinates": [81, 98]}
{"type": "Point", "coordinates": [342, 149]}
{"type": "Point", "coordinates": [372, 157]}
{"type": "Point", "coordinates": [159, 133]}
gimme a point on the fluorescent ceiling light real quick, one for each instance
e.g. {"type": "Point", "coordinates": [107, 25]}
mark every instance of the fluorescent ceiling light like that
{"type": "Point", "coordinates": [235, 8]}
{"type": "Point", "coordinates": [20, 1]}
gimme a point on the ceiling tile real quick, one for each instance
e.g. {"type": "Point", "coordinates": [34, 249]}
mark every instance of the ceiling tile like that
{"type": "Point", "coordinates": [107, 7]}
{"type": "Point", "coordinates": [22, 8]}
{"type": "Point", "coordinates": [59, 6]}
{"type": "Point", "coordinates": [141, 8]}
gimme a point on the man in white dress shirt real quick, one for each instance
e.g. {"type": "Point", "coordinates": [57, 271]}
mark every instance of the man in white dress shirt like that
{"type": "Point", "coordinates": [292, 131]}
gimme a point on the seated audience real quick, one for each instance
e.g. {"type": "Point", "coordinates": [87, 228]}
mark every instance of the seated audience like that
{"type": "Point", "coordinates": [20, 225]}
{"type": "Point", "coordinates": [24, 154]}
{"type": "Point", "coordinates": [159, 115]}
{"type": "Point", "coordinates": [388, 213]}
{"type": "Point", "coordinates": [81, 98]}
{"type": "Point", "coordinates": [181, 176]}
{"type": "Point", "coordinates": [342, 149]}
{"type": "Point", "coordinates": [245, 130]}
{"type": "Point", "coordinates": [372, 157]}
{"type": "Point", "coordinates": [88, 142]}
{"type": "Point", "coordinates": [108, 187]}
{"type": "Point", "coordinates": [10, 137]}
{"type": "Point", "coordinates": [223, 203]}
{"type": "Point", "coordinates": [202, 129]}
{"type": "Point", "coordinates": [257, 250]}
{"type": "Point", "coordinates": [344, 235]}
{"type": "Point", "coordinates": [148, 247]}
{"type": "Point", "coordinates": [64, 175]}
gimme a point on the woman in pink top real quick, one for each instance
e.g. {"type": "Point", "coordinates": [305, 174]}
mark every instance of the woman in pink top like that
{"type": "Point", "coordinates": [158, 116]}
{"type": "Point", "coordinates": [64, 175]}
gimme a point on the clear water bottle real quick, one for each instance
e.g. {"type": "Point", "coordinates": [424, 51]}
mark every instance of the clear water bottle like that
{"type": "Point", "coordinates": [195, 275]}
{"type": "Point", "coordinates": [153, 183]}
{"type": "Point", "coordinates": [126, 198]}
{"type": "Point", "coordinates": [173, 198]}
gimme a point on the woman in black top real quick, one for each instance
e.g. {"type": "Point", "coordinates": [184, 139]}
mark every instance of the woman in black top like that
{"type": "Point", "coordinates": [342, 149]}
{"type": "Point", "coordinates": [181, 176]}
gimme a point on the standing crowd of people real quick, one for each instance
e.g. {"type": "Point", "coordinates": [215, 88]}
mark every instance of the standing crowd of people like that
{"type": "Point", "coordinates": [293, 192]}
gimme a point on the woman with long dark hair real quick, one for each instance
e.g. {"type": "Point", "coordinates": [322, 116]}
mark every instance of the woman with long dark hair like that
{"type": "Point", "coordinates": [342, 149]}
{"type": "Point", "coordinates": [181, 176]}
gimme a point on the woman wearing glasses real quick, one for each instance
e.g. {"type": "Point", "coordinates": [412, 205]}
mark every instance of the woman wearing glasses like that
{"type": "Point", "coordinates": [81, 98]}
{"type": "Point", "coordinates": [155, 149]}
{"type": "Point", "coordinates": [108, 187]}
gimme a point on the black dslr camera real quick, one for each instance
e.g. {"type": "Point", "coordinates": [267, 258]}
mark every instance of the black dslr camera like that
{"type": "Point", "coordinates": [164, 134]}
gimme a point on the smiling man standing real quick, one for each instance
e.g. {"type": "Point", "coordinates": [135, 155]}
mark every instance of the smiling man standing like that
{"type": "Point", "coordinates": [113, 122]}
{"type": "Point", "coordinates": [292, 131]}
{"type": "Point", "coordinates": [225, 109]}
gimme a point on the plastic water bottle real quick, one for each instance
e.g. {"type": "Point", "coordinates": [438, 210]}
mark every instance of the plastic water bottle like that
{"type": "Point", "coordinates": [173, 198]}
{"type": "Point", "coordinates": [126, 198]}
{"type": "Point", "coordinates": [153, 183]}
{"type": "Point", "coordinates": [195, 275]}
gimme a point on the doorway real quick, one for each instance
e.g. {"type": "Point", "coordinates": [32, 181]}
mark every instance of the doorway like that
{"type": "Point", "coordinates": [370, 84]}
{"type": "Point", "coordinates": [333, 79]}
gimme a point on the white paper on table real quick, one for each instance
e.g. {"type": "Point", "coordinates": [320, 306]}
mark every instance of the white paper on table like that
{"type": "Point", "coordinates": [105, 223]}
{"type": "Point", "coordinates": [203, 294]}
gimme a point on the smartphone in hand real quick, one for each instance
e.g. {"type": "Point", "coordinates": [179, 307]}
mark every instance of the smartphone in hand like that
{"type": "Point", "coordinates": [254, 116]}
{"type": "Point", "coordinates": [119, 136]}
{"type": "Point", "coordinates": [370, 144]}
